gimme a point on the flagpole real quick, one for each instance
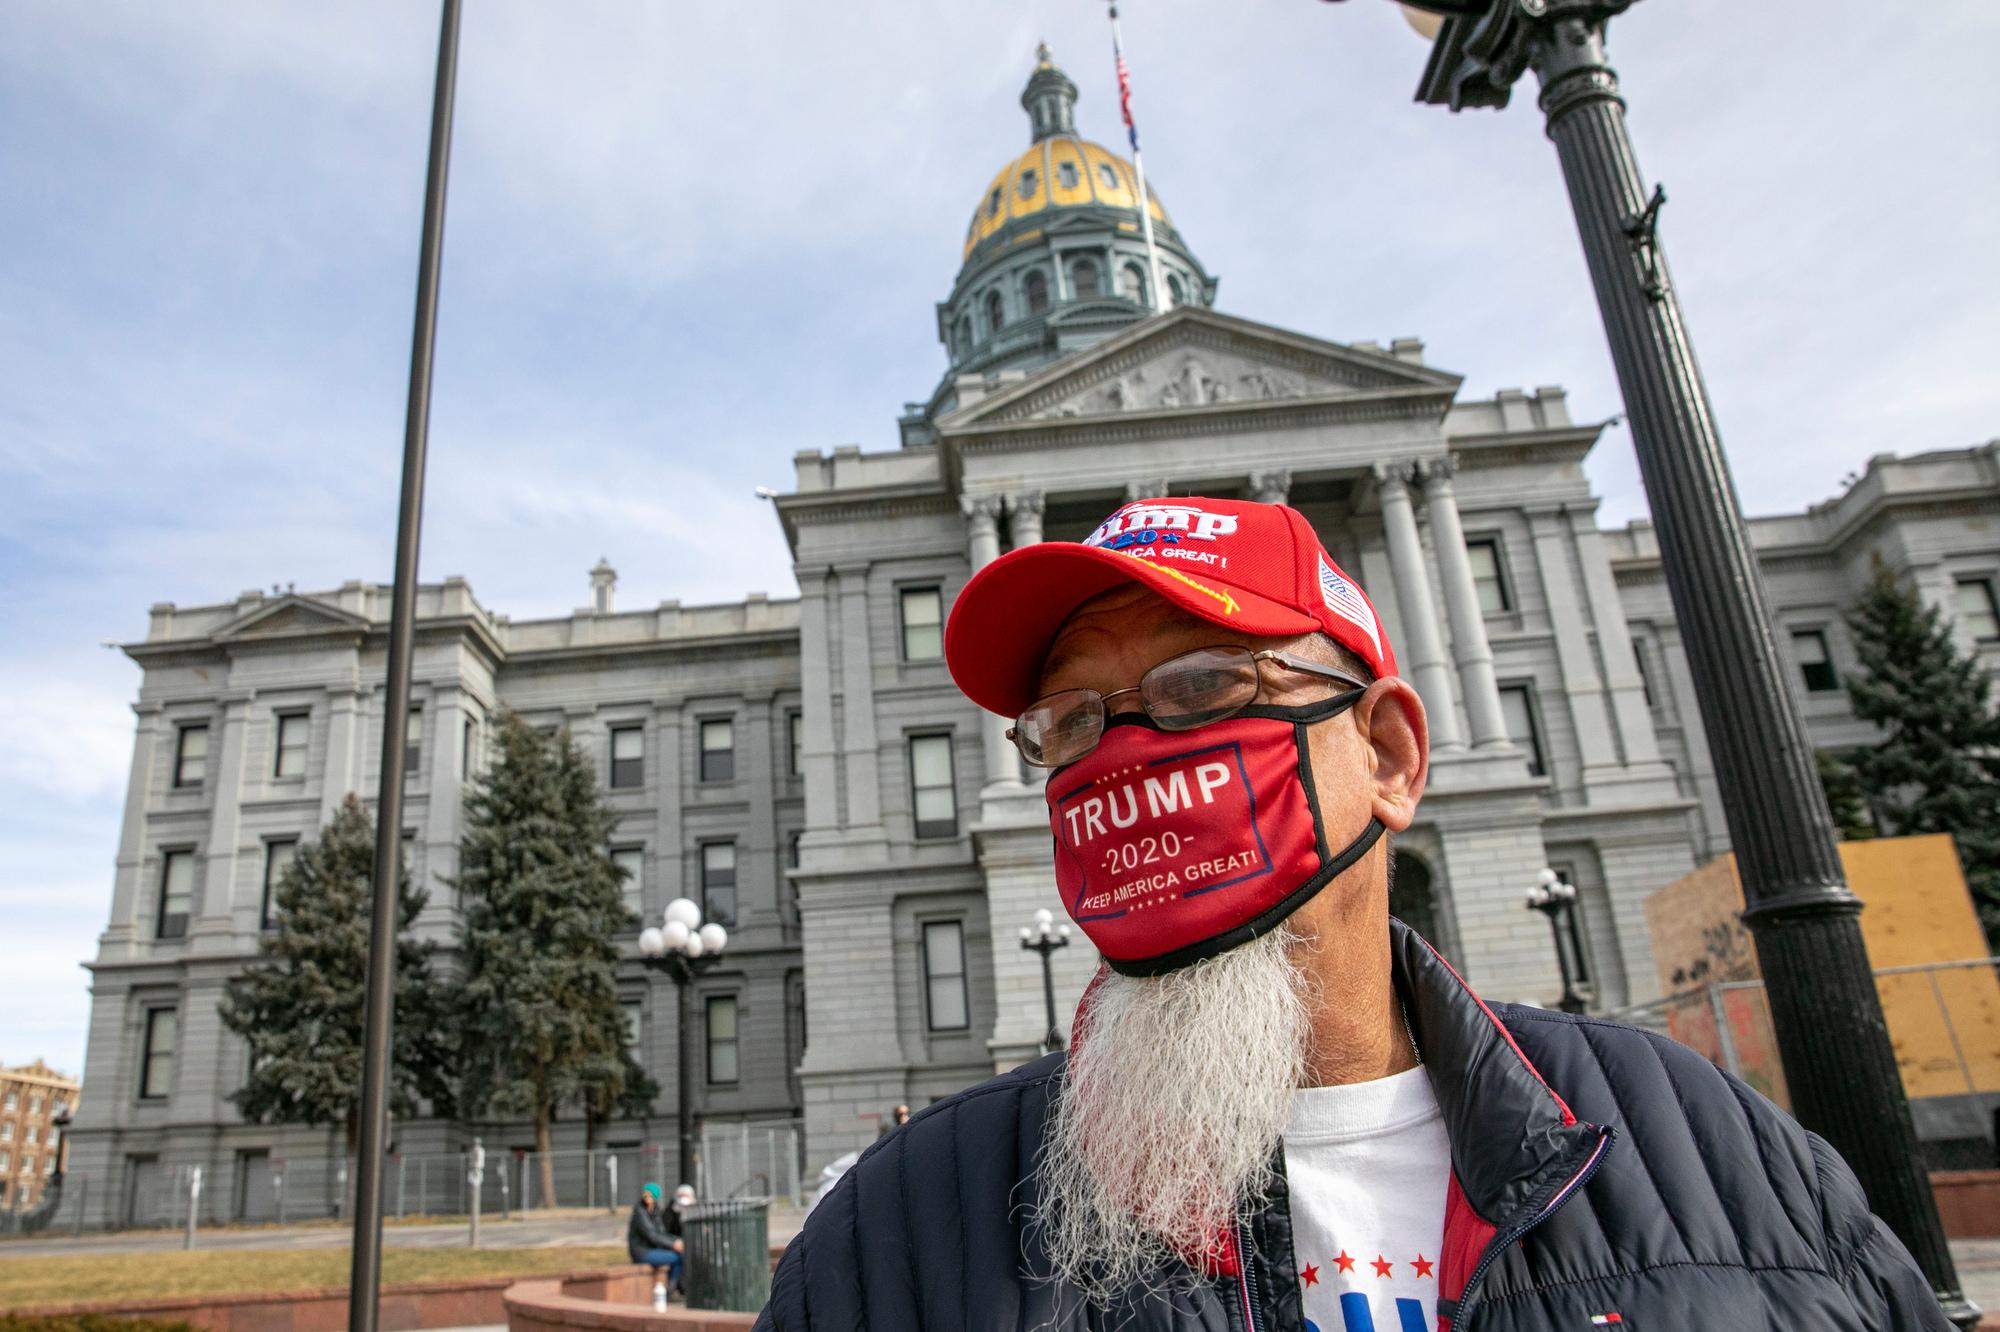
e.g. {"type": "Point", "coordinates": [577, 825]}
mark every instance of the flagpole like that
{"type": "Point", "coordinates": [1159, 293]}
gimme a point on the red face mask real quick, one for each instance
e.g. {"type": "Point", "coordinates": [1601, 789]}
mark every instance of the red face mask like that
{"type": "Point", "coordinates": [1173, 846]}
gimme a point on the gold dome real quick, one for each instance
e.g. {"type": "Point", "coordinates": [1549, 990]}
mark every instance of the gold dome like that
{"type": "Point", "coordinates": [1060, 171]}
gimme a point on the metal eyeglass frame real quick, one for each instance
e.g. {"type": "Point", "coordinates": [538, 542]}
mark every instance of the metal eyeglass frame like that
{"type": "Point", "coordinates": [1288, 660]}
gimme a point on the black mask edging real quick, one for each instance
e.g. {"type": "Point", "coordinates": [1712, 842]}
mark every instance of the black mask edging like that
{"type": "Point", "coordinates": [1262, 923]}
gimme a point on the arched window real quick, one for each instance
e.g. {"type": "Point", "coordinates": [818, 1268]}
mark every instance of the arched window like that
{"type": "Point", "coordinates": [964, 338]}
{"type": "Point", "coordinates": [1029, 178]}
{"type": "Point", "coordinates": [1132, 284]}
{"type": "Point", "coordinates": [1108, 176]}
{"type": "Point", "coordinates": [1174, 291]}
{"type": "Point", "coordinates": [1066, 173]}
{"type": "Point", "coordinates": [1036, 286]}
{"type": "Point", "coordinates": [1083, 279]}
{"type": "Point", "coordinates": [995, 316]}
{"type": "Point", "coordinates": [1412, 896]}
{"type": "Point", "coordinates": [993, 203]}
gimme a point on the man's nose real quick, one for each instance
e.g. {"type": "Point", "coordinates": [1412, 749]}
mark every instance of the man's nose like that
{"type": "Point", "coordinates": [1123, 700]}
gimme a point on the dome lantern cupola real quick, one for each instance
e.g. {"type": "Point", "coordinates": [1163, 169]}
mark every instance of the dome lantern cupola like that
{"type": "Point", "coordinates": [1055, 257]}
{"type": "Point", "coordinates": [1049, 98]}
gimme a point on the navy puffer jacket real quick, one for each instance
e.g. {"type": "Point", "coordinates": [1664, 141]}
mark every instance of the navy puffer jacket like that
{"type": "Point", "coordinates": [1597, 1170]}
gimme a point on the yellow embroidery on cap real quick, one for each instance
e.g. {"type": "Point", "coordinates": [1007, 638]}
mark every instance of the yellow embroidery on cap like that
{"type": "Point", "coordinates": [1229, 606]}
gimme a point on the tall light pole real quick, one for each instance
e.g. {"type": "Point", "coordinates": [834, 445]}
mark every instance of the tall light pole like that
{"type": "Point", "coordinates": [1556, 899]}
{"type": "Point", "coordinates": [365, 1274]}
{"type": "Point", "coordinates": [683, 947]}
{"type": "Point", "coordinates": [1825, 1010]}
{"type": "Point", "coordinates": [1044, 937]}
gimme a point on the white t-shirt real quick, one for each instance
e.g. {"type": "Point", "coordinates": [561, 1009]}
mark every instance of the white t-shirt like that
{"type": "Point", "coordinates": [1368, 1166]}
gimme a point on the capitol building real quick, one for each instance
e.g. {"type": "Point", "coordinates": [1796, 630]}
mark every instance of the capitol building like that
{"type": "Point", "coordinates": [805, 768]}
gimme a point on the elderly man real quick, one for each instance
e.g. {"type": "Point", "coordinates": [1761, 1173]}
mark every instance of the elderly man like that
{"type": "Point", "coordinates": [1281, 1108]}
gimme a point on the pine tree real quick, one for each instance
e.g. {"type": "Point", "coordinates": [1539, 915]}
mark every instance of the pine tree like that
{"type": "Point", "coordinates": [540, 905]}
{"type": "Point", "coordinates": [1937, 767]}
{"type": "Point", "coordinates": [1844, 797]}
{"type": "Point", "coordinates": [300, 1007]}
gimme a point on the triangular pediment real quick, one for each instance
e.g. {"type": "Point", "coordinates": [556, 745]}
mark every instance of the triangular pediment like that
{"type": "Point", "coordinates": [1192, 357]}
{"type": "Point", "coordinates": [292, 615]}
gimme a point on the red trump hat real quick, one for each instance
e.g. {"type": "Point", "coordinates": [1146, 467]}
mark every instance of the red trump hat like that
{"type": "Point", "coordinates": [1258, 569]}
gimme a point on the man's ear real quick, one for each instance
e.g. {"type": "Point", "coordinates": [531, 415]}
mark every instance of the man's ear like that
{"type": "Point", "coordinates": [1391, 719]}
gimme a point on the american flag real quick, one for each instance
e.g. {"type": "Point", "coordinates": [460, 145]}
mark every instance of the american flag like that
{"type": "Point", "coordinates": [1346, 601]}
{"type": "Point", "coordinates": [1125, 96]}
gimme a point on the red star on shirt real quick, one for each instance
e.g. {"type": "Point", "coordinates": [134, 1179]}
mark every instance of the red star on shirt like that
{"type": "Point", "coordinates": [1344, 1263]}
{"type": "Point", "coordinates": [1423, 1266]}
{"type": "Point", "coordinates": [1381, 1265]}
{"type": "Point", "coordinates": [1310, 1276]}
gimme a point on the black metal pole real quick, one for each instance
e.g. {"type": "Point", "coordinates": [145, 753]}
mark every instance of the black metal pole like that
{"type": "Point", "coordinates": [365, 1277]}
{"type": "Point", "coordinates": [1052, 1041]}
{"type": "Point", "coordinates": [1825, 1009]}
{"type": "Point", "coordinates": [683, 976]}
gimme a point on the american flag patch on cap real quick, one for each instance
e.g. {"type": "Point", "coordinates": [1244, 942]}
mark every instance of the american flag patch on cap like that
{"type": "Point", "coordinates": [1346, 601]}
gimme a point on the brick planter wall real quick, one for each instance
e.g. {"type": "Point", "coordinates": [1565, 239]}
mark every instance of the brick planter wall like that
{"type": "Point", "coordinates": [607, 1303]}
{"type": "Point", "coordinates": [1968, 1203]}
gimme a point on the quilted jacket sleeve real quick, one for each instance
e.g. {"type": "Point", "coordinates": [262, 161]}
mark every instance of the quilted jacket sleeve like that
{"type": "Point", "coordinates": [1888, 1290]}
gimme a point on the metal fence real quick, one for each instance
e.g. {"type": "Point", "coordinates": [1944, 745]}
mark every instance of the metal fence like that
{"type": "Point", "coordinates": [751, 1160]}
{"type": "Point", "coordinates": [1944, 1022]}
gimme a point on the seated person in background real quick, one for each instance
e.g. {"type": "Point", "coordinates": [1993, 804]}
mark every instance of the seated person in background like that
{"type": "Point", "coordinates": [652, 1237]}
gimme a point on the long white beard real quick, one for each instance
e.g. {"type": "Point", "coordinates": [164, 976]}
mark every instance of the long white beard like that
{"type": "Point", "coordinates": [1173, 1108]}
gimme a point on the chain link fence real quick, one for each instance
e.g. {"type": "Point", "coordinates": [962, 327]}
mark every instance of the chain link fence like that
{"type": "Point", "coordinates": [752, 1160]}
{"type": "Point", "coordinates": [1944, 1022]}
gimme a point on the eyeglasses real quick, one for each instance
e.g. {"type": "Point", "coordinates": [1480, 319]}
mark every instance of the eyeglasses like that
{"type": "Point", "coordinates": [1181, 693]}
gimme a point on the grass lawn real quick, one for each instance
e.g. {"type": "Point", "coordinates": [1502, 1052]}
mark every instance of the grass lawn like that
{"type": "Point", "coordinates": [81, 1278]}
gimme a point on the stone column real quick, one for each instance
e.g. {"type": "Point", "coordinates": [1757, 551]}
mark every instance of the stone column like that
{"type": "Point", "coordinates": [1461, 600]}
{"type": "Point", "coordinates": [1145, 487]}
{"type": "Point", "coordinates": [337, 781]}
{"type": "Point", "coordinates": [1270, 487]}
{"type": "Point", "coordinates": [859, 745]}
{"type": "Point", "coordinates": [817, 751]}
{"type": "Point", "coordinates": [982, 523]}
{"type": "Point", "coordinates": [124, 926]}
{"type": "Point", "coordinates": [1421, 652]}
{"type": "Point", "coordinates": [1024, 518]}
{"type": "Point", "coordinates": [1614, 642]}
{"type": "Point", "coordinates": [444, 718]}
{"type": "Point", "coordinates": [1583, 689]}
{"type": "Point", "coordinates": [212, 922]}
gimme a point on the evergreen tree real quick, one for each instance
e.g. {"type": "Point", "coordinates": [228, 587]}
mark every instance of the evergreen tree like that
{"type": "Point", "coordinates": [1844, 797]}
{"type": "Point", "coordinates": [300, 1007]}
{"type": "Point", "coordinates": [1937, 767]}
{"type": "Point", "coordinates": [540, 906]}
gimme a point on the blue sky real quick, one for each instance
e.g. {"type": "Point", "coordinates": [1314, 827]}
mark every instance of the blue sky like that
{"type": "Point", "coordinates": [686, 241]}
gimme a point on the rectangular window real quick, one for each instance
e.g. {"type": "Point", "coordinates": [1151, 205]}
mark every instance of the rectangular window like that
{"type": "Point", "coordinates": [1815, 663]}
{"type": "Point", "coordinates": [923, 624]}
{"type": "Point", "coordinates": [278, 857]}
{"type": "Point", "coordinates": [1487, 576]}
{"type": "Point", "coordinates": [794, 737]}
{"type": "Point", "coordinates": [35, 1104]}
{"type": "Point", "coordinates": [1977, 609]}
{"type": "Point", "coordinates": [7, 1130]}
{"type": "Point", "coordinates": [630, 861]}
{"type": "Point", "coordinates": [634, 1013]}
{"type": "Point", "coordinates": [1645, 672]}
{"type": "Point", "coordinates": [628, 756]}
{"type": "Point", "coordinates": [27, 1165]}
{"type": "Point", "coordinates": [5, 1161]}
{"type": "Point", "coordinates": [35, 1133]}
{"type": "Point", "coordinates": [413, 739]}
{"type": "Point", "coordinates": [718, 750]}
{"type": "Point", "coordinates": [176, 893]}
{"type": "Point", "coordinates": [947, 1008]}
{"type": "Point", "coordinates": [932, 794]}
{"type": "Point", "coordinates": [1517, 707]}
{"type": "Point", "coordinates": [13, 1100]}
{"type": "Point", "coordinates": [191, 756]}
{"type": "Point", "coordinates": [721, 1010]}
{"type": "Point", "coordinates": [291, 755]}
{"type": "Point", "coordinates": [468, 747]}
{"type": "Point", "coordinates": [718, 883]}
{"type": "Point", "coordinates": [156, 1061]}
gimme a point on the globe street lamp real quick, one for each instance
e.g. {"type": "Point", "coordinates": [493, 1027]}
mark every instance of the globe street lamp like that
{"type": "Point", "coordinates": [683, 947]}
{"type": "Point", "coordinates": [1555, 898]}
{"type": "Point", "coordinates": [1044, 937]}
{"type": "Point", "coordinates": [1825, 1010]}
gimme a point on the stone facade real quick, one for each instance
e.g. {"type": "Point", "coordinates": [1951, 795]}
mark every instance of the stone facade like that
{"type": "Point", "coordinates": [888, 843]}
